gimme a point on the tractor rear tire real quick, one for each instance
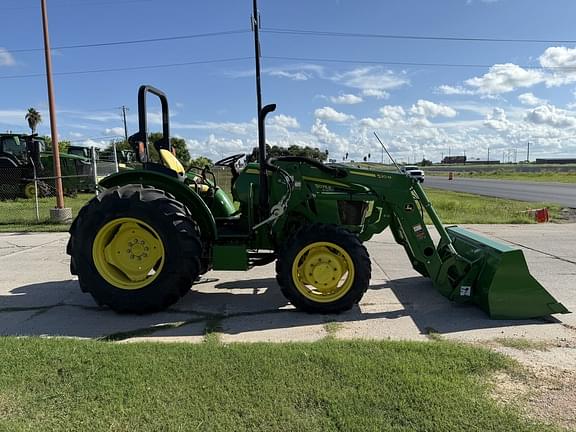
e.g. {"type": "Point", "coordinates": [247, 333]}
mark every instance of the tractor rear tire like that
{"type": "Point", "coordinates": [323, 269]}
{"type": "Point", "coordinates": [135, 249]}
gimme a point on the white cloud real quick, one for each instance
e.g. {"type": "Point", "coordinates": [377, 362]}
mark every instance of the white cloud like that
{"type": "Point", "coordinates": [233, 128]}
{"type": "Point", "coordinates": [13, 117]}
{"type": "Point", "coordinates": [346, 99]}
{"type": "Point", "coordinates": [558, 64]}
{"type": "Point", "coordinates": [325, 136]}
{"type": "Point", "coordinates": [530, 100]}
{"type": "Point", "coordinates": [497, 120]}
{"type": "Point", "coordinates": [559, 57]}
{"type": "Point", "coordinates": [551, 116]}
{"type": "Point", "coordinates": [375, 93]}
{"type": "Point", "coordinates": [372, 79]}
{"type": "Point", "coordinates": [453, 90]}
{"type": "Point", "coordinates": [503, 78]}
{"type": "Point", "coordinates": [284, 121]}
{"type": "Point", "coordinates": [295, 76]}
{"type": "Point", "coordinates": [330, 114]}
{"type": "Point", "coordinates": [296, 72]}
{"type": "Point", "coordinates": [394, 112]}
{"type": "Point", "coordinates": [216, 147]}
{"type": "Point", "coordinates": [427, 109]}
{"type": "Point", "coordinates": [116, 131]}
{"type": "Point", "coordinates": [6, 58]}
{"type": "Point", "coordinates": [390, 116]}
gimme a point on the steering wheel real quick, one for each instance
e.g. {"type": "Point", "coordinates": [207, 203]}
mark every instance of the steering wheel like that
{"type": "Point", "coordinates": [230, 161]}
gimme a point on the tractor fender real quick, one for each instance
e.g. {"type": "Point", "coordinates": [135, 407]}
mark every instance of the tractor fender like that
{"type": "Point", "coordinates": [179, 190]}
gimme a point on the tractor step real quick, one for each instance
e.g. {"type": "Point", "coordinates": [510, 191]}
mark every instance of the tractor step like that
{"type": "Point", "coordinates": [238, 257]}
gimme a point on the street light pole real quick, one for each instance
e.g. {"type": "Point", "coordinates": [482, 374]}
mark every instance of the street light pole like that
{"type": "Point", "coordinates": [52, 110]}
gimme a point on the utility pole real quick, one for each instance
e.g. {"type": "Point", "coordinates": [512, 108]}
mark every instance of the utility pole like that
{"type": "Point", "coordinates": [488, 153]}
{"type": "Point", "coordinates": [114, 149]}
{"type": "Point", "coordinates": [59, 214]}
{"type": "Point", "coordinates": [124, 109]}
{"type": "Point", "coordinates": [528, 153]}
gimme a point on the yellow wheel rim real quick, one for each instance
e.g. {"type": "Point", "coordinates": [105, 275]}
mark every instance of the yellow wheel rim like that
{"type": "Point", "coordinates": [29, 191]}
{"type": "Point", "coordinates": [323, 272]}
{"type": "Point", "coordinates": [128, 253]}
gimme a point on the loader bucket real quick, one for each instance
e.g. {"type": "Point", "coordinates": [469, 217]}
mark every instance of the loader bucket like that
{"type": "Point", "coordinates": [503, 286]}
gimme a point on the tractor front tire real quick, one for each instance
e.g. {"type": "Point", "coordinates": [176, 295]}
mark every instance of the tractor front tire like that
{"type": "Point", "coordinates": [135, 249]}
{"type": "Point", "coordinates": [323, 269]}
{"type": "Point", "coordinates": [29, 191]}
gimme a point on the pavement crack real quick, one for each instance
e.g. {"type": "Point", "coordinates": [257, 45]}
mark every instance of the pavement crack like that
{"type": "Point", "coordinates": [27, 309]}
{"type": "Point", "coordinates": [381, 269]}
{"type": "Point", "coordinates": [23, 249]}
{"type": "Point", "coordinates": [148, 330]}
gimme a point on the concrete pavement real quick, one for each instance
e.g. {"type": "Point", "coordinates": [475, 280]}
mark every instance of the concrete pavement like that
{"type": "Point", "coordinates": [38, 296]}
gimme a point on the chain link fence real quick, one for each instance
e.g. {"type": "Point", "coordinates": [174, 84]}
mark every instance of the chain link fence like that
{"type": "Point", "coordinates": [26, 195]}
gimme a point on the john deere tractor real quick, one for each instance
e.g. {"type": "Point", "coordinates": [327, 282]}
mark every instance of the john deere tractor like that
{"type": "Point", "coordinates": [140, 245]}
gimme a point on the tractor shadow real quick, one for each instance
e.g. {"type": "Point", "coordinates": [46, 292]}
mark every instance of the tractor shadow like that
{"type": "Point", "coordinates": [249, 309]}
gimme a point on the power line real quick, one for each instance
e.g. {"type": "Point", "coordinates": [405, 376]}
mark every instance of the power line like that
{"type": "Point", "coordinates": [72, 4]}
{"type": "Point", "coordinates": [106, 137]}
{"type": "Point", "coordinates": [299, 59]}
{"type": "Point", "coordinates": [135, 41]}
{"type": "Point", "coordinates": [131, 68]}
{"type": "Point", "coordinates": [418, 64]}
{"type": "Point", "coordinates": [411, 37]}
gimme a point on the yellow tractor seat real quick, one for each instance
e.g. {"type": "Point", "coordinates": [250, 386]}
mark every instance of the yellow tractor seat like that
{"type": "Point", "coordinates": [170, 161]}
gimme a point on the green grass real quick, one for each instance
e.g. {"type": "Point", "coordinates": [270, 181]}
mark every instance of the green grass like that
{"type": "Point", "coordinates": [20, 214]}
{"type": "Point", "coordinates": [460, 208]}
{"type": "Point", "coordinates": [542, 176]}
{"type": "Point", "coordinates": [70, 385]}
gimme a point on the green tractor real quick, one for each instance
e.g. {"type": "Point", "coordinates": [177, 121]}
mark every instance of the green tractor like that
{"type": "Point", "coordinates": [139, 246]}
{"type": "Point", "coordinates": [24, 157]}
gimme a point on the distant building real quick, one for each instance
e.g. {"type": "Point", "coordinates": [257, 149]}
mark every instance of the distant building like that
{"type": "Point", "coordinates": [556, 161]}
{"type": "Point", "coordinates": [482, 162]}
{"type": "Point", "coordinates": [454, 160]}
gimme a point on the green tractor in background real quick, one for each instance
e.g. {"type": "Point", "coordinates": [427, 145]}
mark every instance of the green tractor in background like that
{"type": "Point", "coordinates": [139, 246]}
{"type": "Point", "coordinates": [24, 157]}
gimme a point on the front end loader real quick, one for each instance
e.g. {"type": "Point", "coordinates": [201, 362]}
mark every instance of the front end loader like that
{"type": "Point", "coordinates": [140, 244]}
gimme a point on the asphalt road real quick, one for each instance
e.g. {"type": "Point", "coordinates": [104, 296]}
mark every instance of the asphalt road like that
{"type": "Point", "coordinates": [558, 193]}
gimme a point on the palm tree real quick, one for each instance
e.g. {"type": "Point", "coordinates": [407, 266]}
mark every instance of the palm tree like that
{"type": "Point", "coordinates": [34, 118]}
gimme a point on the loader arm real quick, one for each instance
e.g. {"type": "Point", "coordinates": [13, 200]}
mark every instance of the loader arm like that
{"type": "Point", "coordinates": [463, 266]}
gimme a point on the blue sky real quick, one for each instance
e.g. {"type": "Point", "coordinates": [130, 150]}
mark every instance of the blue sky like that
{"type": "Point", "coordinates": [445, 97]}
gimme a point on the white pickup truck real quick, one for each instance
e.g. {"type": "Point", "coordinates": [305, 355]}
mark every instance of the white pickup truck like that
{"type": "Point", "coordinates": [413, 171]}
